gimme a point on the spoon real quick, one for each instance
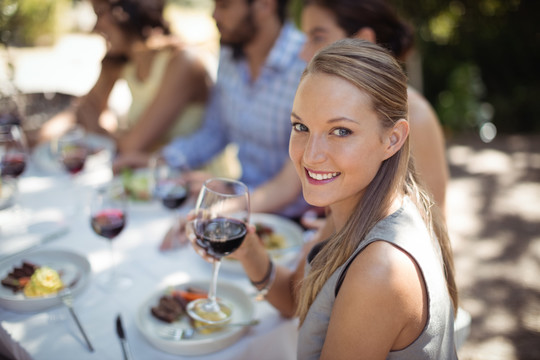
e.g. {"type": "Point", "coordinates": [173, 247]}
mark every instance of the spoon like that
{"type": "Point", "coordinates": [188, 333]}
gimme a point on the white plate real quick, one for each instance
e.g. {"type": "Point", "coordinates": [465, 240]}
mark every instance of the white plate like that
{"type": "Point", "coordinates": [70, 264]}
{"type": "Point", "coordinates": [103, 146]}
{"type": "Point", "coordinates": [242, 310]}
{"type": "Point", "coordinates": [291, 231]}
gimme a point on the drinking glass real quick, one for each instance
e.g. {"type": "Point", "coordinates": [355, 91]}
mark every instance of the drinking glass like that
{"type": "Point", "coordinates": [13, 160]}
{"type": "Point", "coordinates": [13, 151]}
{"type": "Point", "coordinates": [108, 216]}
{"type": "Point", "coordinates": [221, 215]}
{"type": "Point", "coordinates": [72, 149]}
{"type": "Point", "coordinates": [169, 186]}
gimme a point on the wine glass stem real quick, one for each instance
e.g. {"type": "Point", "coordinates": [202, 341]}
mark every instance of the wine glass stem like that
{"type": "Point", "coordinates": [213, 285]}
{"type": "Point", "coordinates": [113, 265]}
{"type": "Point", "coordinates": [18, 212]}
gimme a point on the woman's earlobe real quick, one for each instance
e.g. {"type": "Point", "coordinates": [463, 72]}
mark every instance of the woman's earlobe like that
{"type": "Point", "coordinates": [397, 137]}
{"type": "Point", "coordinates": [400, 131]}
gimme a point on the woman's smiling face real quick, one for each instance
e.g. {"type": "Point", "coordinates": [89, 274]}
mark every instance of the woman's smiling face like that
{"type": "Point", "coordinates": [337, 143]}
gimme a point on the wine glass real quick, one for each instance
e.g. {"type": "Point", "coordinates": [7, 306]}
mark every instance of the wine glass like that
{"type": "Point", "coordinates": [13, 151]}
{"type": "Point", "coordinates": [169, 186]}
{"type": "Point", "coordinates": [222, 212]}
{"type": "Point", "coordinates": [72, 149]}
{"type": "Point", "coordinates": [13, 160]}
{"type": "Point", "coordinates": [108, 216]}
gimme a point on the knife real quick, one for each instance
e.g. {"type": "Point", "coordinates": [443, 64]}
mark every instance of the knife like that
{"type": "Point", "coordinates": [122, 336]}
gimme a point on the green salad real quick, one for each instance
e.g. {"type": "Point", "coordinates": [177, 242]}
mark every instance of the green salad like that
{"type": "Point", "coordinates": [137, 184]}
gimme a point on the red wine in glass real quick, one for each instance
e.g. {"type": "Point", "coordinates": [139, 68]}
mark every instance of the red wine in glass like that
{"type": "Point", "coordinates": [74, 158]}
{"type": "Point", "coordinates": [172, 195]}
{"type": "Point", "coordinates": [220, 236]}
{"type": "Point", "coordinates": [13, 151]}
{"type": "Point", "coordinates": [12, 165]}
{"type": "Point", "coordinates": [108, 223]}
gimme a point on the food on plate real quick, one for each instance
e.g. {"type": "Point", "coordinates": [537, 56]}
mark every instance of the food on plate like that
{"type": "Point", "coordinates": [169, 309]}
{"type": "Point", "coordinates": [44, 281]}
{"type": "Point", "coordinates": [136, 184]}
{"type": "Point", "coordinates": [33, 280]}
{"type": "Point", "coordinates": [205, 328]}
{"type": "Point", "coordinates": [271, 240]}
{"type": "Point", "coordinates": [19, 276]}
{"type": "Point", "coordinates": [172, 306]}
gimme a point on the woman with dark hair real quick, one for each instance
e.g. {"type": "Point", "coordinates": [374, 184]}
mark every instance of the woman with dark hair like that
{"type": "Point", "coordinates": [168, 80]}
{"type": "Point", "coordinates": [326, 21]}
{"type": "Point", "coordinates": [382, 286]}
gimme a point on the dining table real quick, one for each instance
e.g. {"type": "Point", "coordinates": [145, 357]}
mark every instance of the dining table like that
{"type": "Point", "coordinates": [50, 214]}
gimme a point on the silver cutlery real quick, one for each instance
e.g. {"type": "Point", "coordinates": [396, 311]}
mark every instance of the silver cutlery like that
{"type": "Point", "coordinates": [123, 340]}
{"type": "Point", "coordinates": [67, 299]}
{"type": "Point", "coordinates": [175, 333]}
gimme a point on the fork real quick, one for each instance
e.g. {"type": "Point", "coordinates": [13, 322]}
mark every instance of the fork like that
{"type": "Point", "coordinates": [175, 333]}
{"type": "Point", "coordinates": [67, 299]}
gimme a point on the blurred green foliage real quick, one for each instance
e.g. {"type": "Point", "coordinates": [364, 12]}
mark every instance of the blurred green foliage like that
{"type": "Point", "coordinates": [479, 57]}
{"type": "Point", "coordinates": [480, 60]}
{"type": "Point", "coordinates": [31, 22]}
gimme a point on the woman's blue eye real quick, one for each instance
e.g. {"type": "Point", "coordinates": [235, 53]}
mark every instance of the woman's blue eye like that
{"type": "Point", "coordinates": [299, 127]}
{"type": "Point", "coordinates": [342, 132]}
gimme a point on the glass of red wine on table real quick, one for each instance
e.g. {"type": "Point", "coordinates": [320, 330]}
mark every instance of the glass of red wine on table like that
{"type": "Point", "coordinates": [221, 216]}
{"type": "Point", "coordinates": [108, 216]}
{"type": "Point", "coordinates": [13, 155]}
{"type": "Point", "coordinates": [72, 150]}
{"type": "Point", "coordinates": [169, 186]}
{"type": "Point", "coordinates": [13, 151]}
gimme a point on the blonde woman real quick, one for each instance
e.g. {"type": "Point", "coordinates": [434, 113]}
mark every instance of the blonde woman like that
{"type": "Point", "coordinates": [382, 286]}
{"type": "Point", "coordinates": [326, 21]}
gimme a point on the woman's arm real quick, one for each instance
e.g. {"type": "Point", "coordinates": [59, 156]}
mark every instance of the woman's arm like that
{"type": "Point", "coordinates": [90, 107]}
{"type": "Point", "coordinates": [284, 290]}
{"type": "Point", "coordinates": [185, 81]}
{"type": "Point", "coordinates": [428, 147]}
{"type": "Point", "coordinates": [278, 192]}
{"type": "Point", "coordinates": [87, 109]}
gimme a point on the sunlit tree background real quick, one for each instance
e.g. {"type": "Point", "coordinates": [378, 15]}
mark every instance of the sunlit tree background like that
{"type": "Point", "coordinates": [479, 58]}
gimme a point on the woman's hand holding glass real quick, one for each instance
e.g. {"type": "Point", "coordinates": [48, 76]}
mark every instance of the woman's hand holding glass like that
{"type": "Point", "coordinates": [219, 225]}
{"type": "Point", "coordinates": [243, 252]}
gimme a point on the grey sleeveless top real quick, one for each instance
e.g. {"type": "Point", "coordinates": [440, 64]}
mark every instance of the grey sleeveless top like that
{"type": "Point", "coordinates": [405, 229]}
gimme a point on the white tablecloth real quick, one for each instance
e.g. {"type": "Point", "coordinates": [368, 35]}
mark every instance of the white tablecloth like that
{"type": "Point", "coordinates": [57, 204]}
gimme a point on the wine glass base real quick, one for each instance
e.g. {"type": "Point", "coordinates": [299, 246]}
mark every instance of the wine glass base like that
{"type": "Point", "coordinates": [112, 283]}
{"type": "Point", "coordinates": [205, 311]}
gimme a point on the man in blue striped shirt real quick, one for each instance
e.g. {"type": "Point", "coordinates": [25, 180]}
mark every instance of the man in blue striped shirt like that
{"type": "Point", "coordinates": [259, 70]}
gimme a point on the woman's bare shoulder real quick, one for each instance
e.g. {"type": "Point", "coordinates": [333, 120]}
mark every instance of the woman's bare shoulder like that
{"type": "Point", "coordinates": [421, 113]}
{"type": "Point", "coordinates": [381, 263]}
{"type": "Point", "coordinates": [382, 282]}
{"type": "Point", "coordinates": [188, 59]}
{"type": "Point", "coordinates": [426, 129]}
